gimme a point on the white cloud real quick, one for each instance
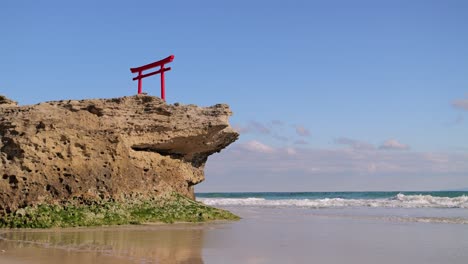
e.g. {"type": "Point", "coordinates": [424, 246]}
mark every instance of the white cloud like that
{"type": "Point", "coordinates": [277, 122]}
{"type": "Point", "coordinates": [291, 151]}
{"type": "Point", "coordinates": [393, 144]}
{"type": "Point", "coordinates": [301, 142]}
{"type": "Point", "coordinates": [354, 144]}
{"type": "Point", "coordinates": [461, 104]}
{"type": "Point", "coordinates": [253, 127]}
{"type": "Point", "coordinates": [256, 156]}
{"type": "Point", "coordinates": [280, 138]}
{"type": "Point", "coordinates": [254, 166]}
{"type": "Point", "coordinates": [302, 131]}
{"type": "Point", "coordinates": [256, 146]}
{"type": "Point", "coordinates": [458, 120]}
{"type": "Point", "coordinates": [275, 129]}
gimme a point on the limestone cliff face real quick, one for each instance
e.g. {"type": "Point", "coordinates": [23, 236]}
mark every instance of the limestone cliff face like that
{"type": "Point", "coordinates": [136, 146]}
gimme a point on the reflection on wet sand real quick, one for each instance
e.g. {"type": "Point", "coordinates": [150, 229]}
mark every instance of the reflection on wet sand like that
{"type": "Point", "coordinates": [142, 244]}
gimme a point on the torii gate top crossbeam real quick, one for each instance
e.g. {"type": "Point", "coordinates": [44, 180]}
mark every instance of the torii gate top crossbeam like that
{"type": "Point", "coordinates": [152, 65]}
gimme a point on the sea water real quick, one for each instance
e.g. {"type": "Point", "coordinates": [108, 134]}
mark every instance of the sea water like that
{"type": "Point", "coordinates": [439, 199]}
{"type": "Point", "coordinates": [437, 207]}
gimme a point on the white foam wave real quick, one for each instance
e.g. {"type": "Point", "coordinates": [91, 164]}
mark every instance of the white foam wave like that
{"type": "Point", "coordinates": [400, 200]}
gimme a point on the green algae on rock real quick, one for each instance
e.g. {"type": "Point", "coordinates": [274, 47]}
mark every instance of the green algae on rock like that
{"type": "Point", "coordinates": [170, 209]}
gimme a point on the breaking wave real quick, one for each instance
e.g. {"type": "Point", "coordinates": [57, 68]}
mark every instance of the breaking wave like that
{"type": "Point", "coordinates": [398, 201]}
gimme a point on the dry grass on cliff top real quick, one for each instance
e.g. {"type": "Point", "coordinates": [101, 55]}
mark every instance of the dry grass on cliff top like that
{"type": "Point", "coordinates": [174, 208]}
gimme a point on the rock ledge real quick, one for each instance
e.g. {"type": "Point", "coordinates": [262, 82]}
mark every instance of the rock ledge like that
{"type": "Point", "coordinates": [105, 149]}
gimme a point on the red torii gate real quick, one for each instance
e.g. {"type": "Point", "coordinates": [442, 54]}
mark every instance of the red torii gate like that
{"type": "Point", "coordinates": [150, 66]}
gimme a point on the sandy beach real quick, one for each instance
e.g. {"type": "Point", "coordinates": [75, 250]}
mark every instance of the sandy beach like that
{"type": "Point", "coordinates": [264, 235]}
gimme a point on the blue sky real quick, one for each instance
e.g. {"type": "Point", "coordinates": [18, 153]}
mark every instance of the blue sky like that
{"type": "Point", "coordinates": [327, 95]}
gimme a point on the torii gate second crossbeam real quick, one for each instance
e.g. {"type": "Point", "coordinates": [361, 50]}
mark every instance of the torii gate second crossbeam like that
{"type": "Point", "coordinates": [160, 63]}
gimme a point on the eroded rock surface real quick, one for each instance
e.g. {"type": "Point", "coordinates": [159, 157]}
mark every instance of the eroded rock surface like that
{"type": "Point", "coordinates": [118, 148]}
{"type": "Point", "coordinates": [5, 102]}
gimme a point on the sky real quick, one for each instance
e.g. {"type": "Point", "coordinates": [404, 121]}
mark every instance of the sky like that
{"type": "Point", "coordinates": [327, 95]}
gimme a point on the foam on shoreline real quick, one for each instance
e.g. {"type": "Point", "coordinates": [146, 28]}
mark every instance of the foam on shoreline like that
{"type": "Point", "coordinates": [398, 201]}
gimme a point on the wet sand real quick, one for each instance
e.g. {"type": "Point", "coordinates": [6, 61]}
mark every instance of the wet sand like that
{"type": "Point", "coordinates": [264, 235]}
{"type": "Point", "coordinates": [179, 243]}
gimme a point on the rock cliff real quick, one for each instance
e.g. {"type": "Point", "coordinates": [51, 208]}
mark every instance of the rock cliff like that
{"type": "Point", "coordinates": [111, 149]}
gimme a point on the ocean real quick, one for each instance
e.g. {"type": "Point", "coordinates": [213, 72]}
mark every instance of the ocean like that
{"type": "Point", "coordinates": [435, 207]}
{"type": "Point", "coordinates": [437, 199]}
